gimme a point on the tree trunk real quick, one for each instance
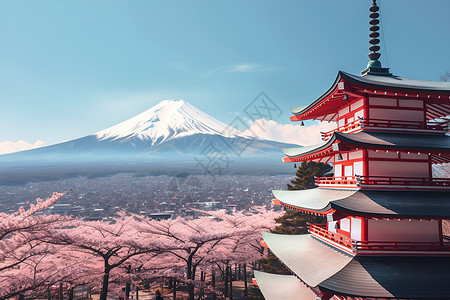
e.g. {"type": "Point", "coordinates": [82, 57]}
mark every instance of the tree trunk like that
{"type": "Point", "coordinates": [231, 284]}
{"type": "Point", "coordinates": [213, 279]}
{"type": "Point", "coordinates": [104, 292]}
{"type": "Point", "coordinates": [137, 292]}
{"type": "Point", "coordinates": [190, 275]}
{"type": "Point", "coordinates": [61, 297]}
{"type": "Point", "coordinates": [174, 289]}
{"type": "Point", "coordinates": [71, 293]}
{"type": "Point", "coordinates": [239, 272]}
{"type": "Point", "coordinates": [202, 278]}
{"type": "Point", "coordinates": [49, 294]}
{"type": "Point", "coordinates": [21, 297]}
{"type": "Point", "coordinates": [245, 281]}
{"type": "Point", "coordinates": [226, 282]}
{"type": "Point", "coordinates": [127, 290]}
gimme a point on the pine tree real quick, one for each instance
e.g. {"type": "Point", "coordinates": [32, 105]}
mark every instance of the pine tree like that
{"type": "Point", "coordinates": [305, 175]}
{"type": "Point", "coordinates": [295, 222]}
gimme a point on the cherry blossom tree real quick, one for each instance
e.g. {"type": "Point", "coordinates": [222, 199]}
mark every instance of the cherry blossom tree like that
{"type": "Point", "coordinates": [246, 249]}
{"type": "Point", "coordinates": [145, 267]}
{"type": "Point", "coordinates": [25, 262]}
{"type": "Point", "coordinates": [216, 237]}
{"type": "Point", "coordinates": [112, 243]}
{"type": "Point", "coordinates": [37, 251]}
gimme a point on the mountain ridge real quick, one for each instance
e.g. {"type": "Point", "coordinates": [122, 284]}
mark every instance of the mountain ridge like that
{"type": "Point", "coordinates": [167, 120]}
{"type": "Point", "coordinates": [158, 127]}
{"type": "Point", "coordinates": [172, 134]}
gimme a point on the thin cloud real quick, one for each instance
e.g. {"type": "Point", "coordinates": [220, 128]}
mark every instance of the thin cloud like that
{"type": "Point", "coordinates": [20, 145]}
{"type": "Point", "coordinates": [288, 133]}
{"type": "Point", "coordinates": [241, 68]}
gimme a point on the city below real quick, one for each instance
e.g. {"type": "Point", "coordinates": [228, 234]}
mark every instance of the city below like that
{"type": "Point", "coordinates": [154, 196]}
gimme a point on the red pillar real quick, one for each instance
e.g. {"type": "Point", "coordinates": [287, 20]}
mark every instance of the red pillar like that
{"type": "Point", "coordinates": [365, 163]}
{"type": "Point", "coordinates": [364, 229]}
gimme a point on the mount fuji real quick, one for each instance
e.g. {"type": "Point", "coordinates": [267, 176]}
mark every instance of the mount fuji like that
{"type": "Point", "coordinates": [168, 120]}
{"type": "Point", "coordinates": [171, 136]}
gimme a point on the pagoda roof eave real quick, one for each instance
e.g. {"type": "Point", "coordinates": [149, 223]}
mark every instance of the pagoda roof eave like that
{"type": "Point", "coordinates": [394, 141]}
{"type": "Point", "coordinates": [275, 287]}
{"type": "Point", "coordinates": [302, 109]}
{"type": "Point", "coordinates": [379, 140]}
{"type": "Point", "coordinates": [380, 82]}
{"type": "Point", "coordinates": [311, 261]}
{"type": "Point", "coordinates": [293, 152]}
{"type": "Point", "coordinates": [398, 277]}
{"type": "Point", "coordinates": [398, 83]}
{"type": "Point", "coordinates": [370, 203]}
{"type": "Point", "coordinates": [333, 271]}
{"type": "Point", "coordinates": [314, 200]}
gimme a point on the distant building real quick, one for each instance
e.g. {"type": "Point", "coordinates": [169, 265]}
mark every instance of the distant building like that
{"type": "Point", "coordinates": [161, 215]}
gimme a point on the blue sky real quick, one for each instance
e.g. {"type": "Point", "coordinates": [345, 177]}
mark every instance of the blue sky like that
{"type": "Point", "coordinates": [72, 68]}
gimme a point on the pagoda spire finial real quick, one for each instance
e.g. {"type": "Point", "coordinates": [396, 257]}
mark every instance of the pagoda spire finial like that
{"type": "Point", "coordinates": [374, 65]}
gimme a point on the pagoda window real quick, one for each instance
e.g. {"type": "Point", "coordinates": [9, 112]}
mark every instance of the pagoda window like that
{"type": "Point", "coordinates": [344, 111]}
{"type": "Point", "coordinates": [350, 165]}
{"type": "Point", "coordinates": [349, 115]}
{"type": "Point", "coordinates": [403, 230]}
{"type": "Point", "coordinates": [359, 114]}
{"type": "Point", "coordinates": [338, 170]}
{"type": "Point", "coordinates": [355, 232]}
{"type": "Point", "coordinates": [410, 103]}
{"type": "Point", "coordinates": [348, 170]}
{"type": "Point", "coordinates": [374, 101]}
{"type": "Point", "coordinates": [397, 114]}
{"type": "Point", "coordinates": [415, 156]}
{"type": "Point", "coordinates": [358, 168]}
{"type": "Point", "coordinates": [344, 226]}
{"type": "Point", "coordinates": [354, 106]}
{"type": "Point", "coordinates": [399, 169]}
{"type": "Point", "coordinates": [333, 226]}
{"type": "Point", "coordinates": [405, 110]}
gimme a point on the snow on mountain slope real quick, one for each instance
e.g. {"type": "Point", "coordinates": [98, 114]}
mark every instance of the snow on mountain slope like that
{"type": "Point", "coordinates": [165, 121]}
{"type": "Point", "coordinates": [170, 128]}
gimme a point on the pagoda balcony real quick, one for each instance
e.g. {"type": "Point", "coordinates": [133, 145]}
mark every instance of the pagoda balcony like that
{"type": "Point", "coordinates": [352, 246]}
{"type": "Point", "coordinates": [388, 183]}
{"type": "Point", "coordinates": [389, 125]}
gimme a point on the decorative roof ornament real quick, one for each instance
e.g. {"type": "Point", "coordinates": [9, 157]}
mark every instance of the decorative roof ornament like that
{"type": "Point", "coordinates": [374, 66]}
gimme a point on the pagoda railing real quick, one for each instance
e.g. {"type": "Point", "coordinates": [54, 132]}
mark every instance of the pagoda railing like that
{"type": "Point", "coordinates": [319, 230]}
{"type": "Point", "coordinates": [402, 181]}
{"type": "Point", "coordinates": [363, 181]}
{"type": "Point", "coordinates": [342, 180]}
{"type": "Point", "coordinates": [387, 124]}
{"type": "Point", "coordinates": [401, 246]}
{"type": "Point", "coordinates": [350, 126]}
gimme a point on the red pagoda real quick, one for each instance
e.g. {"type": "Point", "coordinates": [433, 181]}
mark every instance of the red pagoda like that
{"type": "Point", "coordinates": [383, 237]}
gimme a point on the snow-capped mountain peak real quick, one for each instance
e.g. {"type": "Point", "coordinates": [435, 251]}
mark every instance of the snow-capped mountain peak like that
{"type": "Point", "coordinates": [165, 121]}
